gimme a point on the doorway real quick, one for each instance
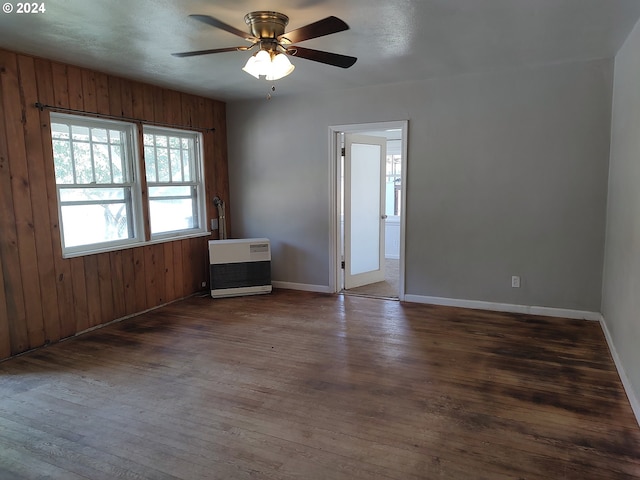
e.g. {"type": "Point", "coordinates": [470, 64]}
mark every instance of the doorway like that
{"type": "Point", "coordinates": [353, 233]}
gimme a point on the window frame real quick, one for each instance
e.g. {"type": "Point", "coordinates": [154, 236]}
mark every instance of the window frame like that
{"type": "Point", "coordinates": [129, 154]}
{"type": "Point", "coordinates": [197, 184]}
{"type": "Point", "coordinates": [134, 162]}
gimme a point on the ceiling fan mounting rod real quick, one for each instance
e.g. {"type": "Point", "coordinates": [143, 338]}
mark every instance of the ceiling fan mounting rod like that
{"type": "Point", "coordinates": [271, 46]}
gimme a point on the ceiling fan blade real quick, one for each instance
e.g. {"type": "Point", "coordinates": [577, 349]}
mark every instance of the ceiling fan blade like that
{"type": "Point", "coordinates": [317, 29]}
{"type": "Point", "coordinates": [329, 58]}
{"type": "Point", "coordinates": [207, 52]}
{"type": "Point", "coordinates": [214, 22]}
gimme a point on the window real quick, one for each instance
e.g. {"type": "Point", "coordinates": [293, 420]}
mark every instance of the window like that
{"type": "Point", "coordinates": [172, 164]}
{"type": "Point", "coordinates": [393, 184]}
{"type": "Point", "coordinates": [95, 176]}
{"type": "Point", "coordinates": [98, 172]}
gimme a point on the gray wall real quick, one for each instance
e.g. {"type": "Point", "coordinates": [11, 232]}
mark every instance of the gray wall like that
{"type": "Point", "coordinates": [621, 301]}
{"type": "Point", "coordinates": [507, 176]}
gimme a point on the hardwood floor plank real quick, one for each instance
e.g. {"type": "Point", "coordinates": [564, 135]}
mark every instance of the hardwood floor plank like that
{"type": "Point", "coordinates": [304, 385]}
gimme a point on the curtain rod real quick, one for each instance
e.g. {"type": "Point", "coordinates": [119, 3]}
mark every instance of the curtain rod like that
{"type": "Point", "coordinates": [43, 106]}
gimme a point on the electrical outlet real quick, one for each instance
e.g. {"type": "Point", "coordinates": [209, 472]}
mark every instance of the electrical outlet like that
{"type": "Point", "coordinates": [204, 284]}
{"type": "Point", "coordinates": [515, 281]}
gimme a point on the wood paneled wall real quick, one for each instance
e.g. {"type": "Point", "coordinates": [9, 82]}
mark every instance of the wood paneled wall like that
{"type": "Point", "coordinates": [44, 297]}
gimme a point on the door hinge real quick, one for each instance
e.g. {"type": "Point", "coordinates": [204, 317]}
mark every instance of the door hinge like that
{"type": "Point", "coordinates": [342, 265]}
{"type": "Point", "coordinates": [343, 151]}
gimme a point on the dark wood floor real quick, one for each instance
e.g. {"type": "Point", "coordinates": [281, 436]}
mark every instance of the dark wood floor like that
{"type": "Point", "coordinates": [299, 385]}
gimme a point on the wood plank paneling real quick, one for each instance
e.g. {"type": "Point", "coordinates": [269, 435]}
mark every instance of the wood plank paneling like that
{"type": "Point", "coordinates": [70, 289]}
{"type": "Point", "coordinates": [149, 274]}
{"type": "Point", "coordinates": [217, 116]}
{"type": "Point", "coordinates": [13, 103]}
{"type": "Point", "coordinates": [5, 341]}
{"type": "Point", "coordinates": [140, 280]}
{"type": "Point", "coordinates": [92, 283]}
{"type": "Point", "coordinates": [117, 284]}
{"type": "Point", "coordinates": [128, 282]}
{"type": "Point", "coordinates": [80, 298]}
{"type": "Point", "coordinates": [74, 80]}
{"type": "Point", "coordinates": [39, 202]}
{"type": "Point", "coordinates": [178, 270]}
{"type": "Point", "coordinates": [46, 297]}
{"type": "Point", "coordinates": [102, 93]}
{"type": "Point", "coordinates": [168, 274]}
{"type": "Point", "coordinates": [106, 292]}
{"type": "Point", "coordinates": [158, 272]}
{"type": "Point", "coordinates": [14, 295]}
{"type": "Point", "coordinates": [89, 92]}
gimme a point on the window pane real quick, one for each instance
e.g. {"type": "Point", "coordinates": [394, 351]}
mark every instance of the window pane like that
{"type": "Point", "coordinates": [116, 137]}
{"type": "Point", "coordinates": [162, 162]}
{"type": "Point", "coordinates": [88, 224]}
{"type": "Point", "coordinates": [62, 161]}
{"type": "Point", "coordinates": [91, 194]}
{"type": "Point", "coordinates": [59, 131]}
{"type": "Point", "coordinates": [171, 215]}
{"type": "Point", "coordinates": [117, 164]}
{"type": "Point", "coordinates": [99, 135]}
{"type": "Point", "coordinates": [102, 163]}
{"type": "Point", "coordinates": [150, 163]}
{"type": "Point", "coordinates": [186, 165]}
{"type": "Point", "coordinates": [80, 133]}
{"type": "Point", "coordinates": [82, 158]}
{"type": "Point", "coordinates": [178, 191]}
{"type": "Point", "coordinates": [176, 165]}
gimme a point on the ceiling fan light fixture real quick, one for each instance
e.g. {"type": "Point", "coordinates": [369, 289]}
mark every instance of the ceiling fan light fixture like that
{"type": "Point", "coordinates": [268, 65]}
{"type": "Point", "coordinates": [280, 67]}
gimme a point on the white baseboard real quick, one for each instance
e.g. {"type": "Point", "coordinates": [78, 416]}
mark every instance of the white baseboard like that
{"type": "Point", "coordinates": [505, 307]}
{"type": "Point", "coordinates": [628, 388]}
{"type": "Point", "coordinates": [305, 287]}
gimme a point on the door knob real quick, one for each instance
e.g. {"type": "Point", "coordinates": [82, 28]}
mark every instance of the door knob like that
{"type": "Point", "coordinates": [383, 217]}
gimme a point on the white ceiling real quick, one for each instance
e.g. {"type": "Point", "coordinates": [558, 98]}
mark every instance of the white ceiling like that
{"type": "Point", "coordinates": [394, 40]}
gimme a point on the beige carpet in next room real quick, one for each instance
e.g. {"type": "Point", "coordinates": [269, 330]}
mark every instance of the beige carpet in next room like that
{"type": "Point", "coordinates": [390, 288]}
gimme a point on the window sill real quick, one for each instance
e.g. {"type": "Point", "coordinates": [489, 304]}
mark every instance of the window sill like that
{"type": "Point", "coordinates": [128, 246]}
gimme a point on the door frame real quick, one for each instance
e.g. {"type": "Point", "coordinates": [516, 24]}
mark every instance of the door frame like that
{"type": "Point", "coordinates": [334, 190]}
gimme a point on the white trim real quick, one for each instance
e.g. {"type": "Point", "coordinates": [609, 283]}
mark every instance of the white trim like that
{"type": "Point", "coordinates": [506, 307]}
{"type": "Point", "coordinates": [128, 246]}
{"type": "Point", "coordinates": [334, 179]}
{"type": "Point", "coordinates": [240, 291]}
{"type": "Point", "coordinates": [305, 287]}
{"type": "Point", "coordinates": [628, 388]}
{"type": "Point", "coordinates": [334, 212]}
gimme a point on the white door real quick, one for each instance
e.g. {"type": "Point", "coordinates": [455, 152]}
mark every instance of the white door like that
{"type": "Point", "coordinates": [364, 183]}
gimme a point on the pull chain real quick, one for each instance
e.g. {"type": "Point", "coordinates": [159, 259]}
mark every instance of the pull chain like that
{"type": "Point", "coordinates": [273, 89]}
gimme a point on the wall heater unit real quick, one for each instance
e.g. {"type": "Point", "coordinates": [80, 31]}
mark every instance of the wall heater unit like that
{"type": "Point", "coordinates": [239, 267]}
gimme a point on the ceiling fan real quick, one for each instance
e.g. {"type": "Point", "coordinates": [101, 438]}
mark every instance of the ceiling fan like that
{"type": "Point", "coordinates": [267, 32]}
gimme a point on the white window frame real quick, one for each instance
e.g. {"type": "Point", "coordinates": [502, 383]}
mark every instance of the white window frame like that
{"type": "Point", "coordinates": [130, 153]}
{"type": "Point", "coordinates": [134, 159]}
{"type": "Point", "coordinates": [196, 184]}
